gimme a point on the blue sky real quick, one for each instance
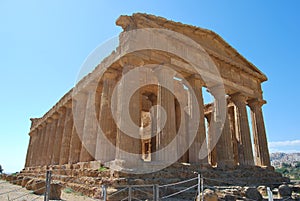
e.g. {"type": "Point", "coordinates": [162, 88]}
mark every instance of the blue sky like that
{"type": "Point", "coordinates": [44, 43]}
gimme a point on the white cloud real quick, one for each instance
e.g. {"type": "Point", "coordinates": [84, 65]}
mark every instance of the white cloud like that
{"type": "Point", "coordinates": [284, 143]}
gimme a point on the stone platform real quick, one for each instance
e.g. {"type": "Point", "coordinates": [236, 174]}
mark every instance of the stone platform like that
{"type": "Point", "coordinates": [88, 177]}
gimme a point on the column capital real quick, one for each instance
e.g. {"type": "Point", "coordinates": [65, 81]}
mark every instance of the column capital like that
{"type": "Point", "coordinates": [238, 97]}
{"type": "Point", "coordinates": [217, 91]}
{"type": "Point", "coordinates": [109, 76]}
{"type": "Point", "coordinates": [49, 119]}
{"type": "Point", "coordinates": [80, 95]}
{"type": "Point", "coordinates": [69, 104]}
{"type": "Point", "coordinates": [55, 115]}
{"type": "Point", "coordinates": [61, 110]}
{"type": "Point", "coordinates": [256, 103]}
{"type": "Point", "coordinates": [192, 79]}
{"type": "Point", "coordinates": [161, 72]}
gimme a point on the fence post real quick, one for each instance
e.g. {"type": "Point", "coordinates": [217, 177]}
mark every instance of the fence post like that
{"type": "Point", "coordinates": [129, 193]}
{"type": "Point", "coordinates": [48, 181]}
{"type": "Point", "coordinates": [202, 188]}
{"type": "Point", "coordinates": [104, 192]}
{"type": "Point", "coordinates": [270, 194]}
{"type": "Point", "coordinates": [199, 183]}
{"type": "Point", "coordinates": [156, 192]}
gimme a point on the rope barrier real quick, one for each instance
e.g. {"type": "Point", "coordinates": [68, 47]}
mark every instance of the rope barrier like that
{"type": "Point", "coordinates": [115, 193]}
{"type": "Point", "coordinates": [147, 193]}
{"type": "Point", "coordinates": [171, 195]}
{"type": "Point", "coordinates": [124, 198]}
{"type": "Point", "coordinates": [177, 183]}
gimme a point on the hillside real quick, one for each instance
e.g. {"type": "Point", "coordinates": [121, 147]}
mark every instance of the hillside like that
{"type": "Point", "coordinates": [287, 164]}
{"type": "Point", "coordinates": [289, 158]}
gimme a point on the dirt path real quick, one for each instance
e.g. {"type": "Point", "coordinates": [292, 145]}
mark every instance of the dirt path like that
{"type": "Point", "coordinates": [14, 192]}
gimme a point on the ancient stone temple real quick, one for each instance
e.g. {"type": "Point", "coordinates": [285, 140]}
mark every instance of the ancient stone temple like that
{"type": "Point", "coordinates": [85, 124]}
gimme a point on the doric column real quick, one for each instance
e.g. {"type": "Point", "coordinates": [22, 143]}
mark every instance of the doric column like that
{"type": "Point", "coordinates": [44, 145]}
{"type": "Point", "coordinates": [242, 129]}
{"type": "Point", "coordinates": [182, 133]}
{"type": "Point", "coordinates": [165, 98]}
{"type": "Point", "coordinates": [67, 134]}
{"type": "Point", "coordinates": [32, 138]}
{"type": "Point", "coordinates": [89, 137]}
{"type": "Point", "coordinates": [34, 150]}
{"type": "Point", "coordinates": [79, 117]}
{"type": "Point", "coordinates": [224, 143]}
{"type": "Point", "coordinates": [106, 134]}
{"type": "Point", "coordinates": [51, 139]}
{"type": "Point", "coordinates": [262, 156]}
{"type": "Point", "coordinates": [37, 152]}
{"type": "Point", "coordinates": [59, 135]}
{"type": "Point", "coordinates": [231, 118]}
{"type": "Point", "coordinates": [128, 145]}
{"type": "Point", "coordinates": [200, 138]}
{"type": "Point", "coordinates": [212, 151]}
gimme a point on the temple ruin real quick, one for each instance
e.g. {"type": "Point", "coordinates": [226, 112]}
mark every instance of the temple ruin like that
{"type": "Point", "coordinates": [55, 140]}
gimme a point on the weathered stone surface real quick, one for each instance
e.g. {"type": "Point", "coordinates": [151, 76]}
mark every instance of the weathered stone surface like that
{"type": "Point", "coordinates": [284, 191]}
{"type": "Point", "coordinates": [210, 195]}
{"type": "Point", "coordinates": [25, 181]}
{"type": "Point", "coordinates": [253, 193]}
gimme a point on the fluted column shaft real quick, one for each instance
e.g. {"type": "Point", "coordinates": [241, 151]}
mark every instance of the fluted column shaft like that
{"type": "Point", "coordinates": [200, 138]}
{"type": "Point", "coordinates": [243, 131]}
{"type": "Point", "coordinates": [66, 136]}
{"type": "Point", "coordinates": [167, 136]}
{"type": "Point", "coordinates": [231, 118]}
{"type": "Point", "coordinates": [127, 143]}
{"type": "Point", "coordinates": [52, 135]}
{"type": "Point", "coordinates": [79, 117]}
{"type": "Point", "coordinates": [89, 137]}
{"type": "Point", "coordinates": [46, 141]}
{"type": "Point", "coordinates": [262, 157]}
{"type": "Point", "coordinates": [30, 149]}
{"type": "Point", "coordinates": [106, 137]}
{"type": "Point", "coordinates": [58, 136]}
{"type": "Point", "coordinates": [212, 151]}
{"type": "Point", "coordinates": [37, 152]}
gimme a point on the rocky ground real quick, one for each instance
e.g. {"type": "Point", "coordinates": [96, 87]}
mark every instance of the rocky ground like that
{"type": "Point", "coordinates": [21, 194]}
{"type": "Point", "coordinates": [239, 183]}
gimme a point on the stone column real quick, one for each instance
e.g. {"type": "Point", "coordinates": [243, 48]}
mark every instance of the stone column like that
{"type": "Point", "coordinates": [46, 140]}
{"type": "Point", "coordinates": [51, 146]}
{"type": "Point", "coordinates": [32, 136]}
{"type": "Point", "coordinates": [59, 135]}
{"type": "Point", "coordinates": [38, 152]}
{"type": "Point", "coordinates": [181, 129]}
{"type": "Point", "coordinates": [67, 134]}
{"type": "Point", "coordinates": [128, 145]}
{"type": "Point", "coordinates": [242, 129]}
{"type": "Point", "coordinates": [200, 138]}
{"type": "Point", "coordinates": [262, 157]}
{"type": "Point", "coordinates": [79, 117]}
{"type": "Point", "coordinates": [153, 114]}
{"type": "Point", "coordinates": [233, 134]}
{"type": "Point", "coordinates": [165, 98]}
{"type": "Point", "coordinates": [89, 137]}
{"type": "Point", "coordinates": [107, 130]}
{"type": "Point", "coordinates": [212, 151]}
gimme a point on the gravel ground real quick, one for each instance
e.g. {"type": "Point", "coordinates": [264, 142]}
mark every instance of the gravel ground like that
{"type": "Point", "coordinates": [9, 192]}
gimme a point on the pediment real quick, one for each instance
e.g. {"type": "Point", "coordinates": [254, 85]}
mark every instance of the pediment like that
{"type": "Point", "coordinates": [213, 43]}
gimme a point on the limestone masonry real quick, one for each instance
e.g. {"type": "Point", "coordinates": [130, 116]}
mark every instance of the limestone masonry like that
{"type": "Point", "coordinates": [55, 140]}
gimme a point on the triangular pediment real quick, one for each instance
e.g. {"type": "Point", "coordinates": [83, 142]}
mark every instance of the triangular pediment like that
{"type": "Point", "coordinates": [209, 40]}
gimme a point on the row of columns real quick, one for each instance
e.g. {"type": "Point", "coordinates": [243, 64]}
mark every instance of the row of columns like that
{"type": "Point", "coordinates": [234, 146]}
{"type": "Point", "coordinates": [58, 140]}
